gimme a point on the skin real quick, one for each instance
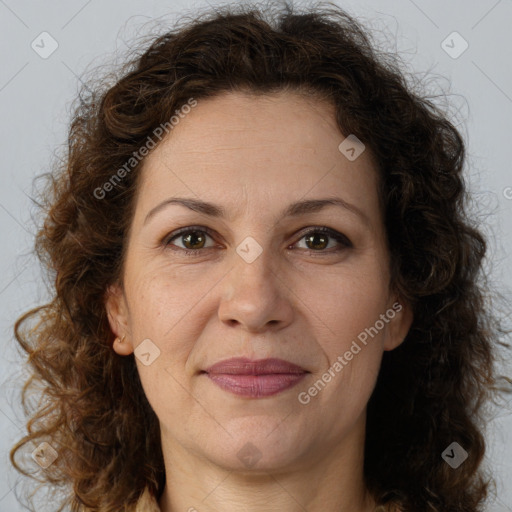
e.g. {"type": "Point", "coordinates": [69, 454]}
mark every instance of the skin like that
{"type": "Point", "coordinates": [299, 300]}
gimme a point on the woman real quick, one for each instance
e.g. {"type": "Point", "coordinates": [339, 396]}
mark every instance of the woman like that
{"type": "Point", "coordinates": [267, 286]}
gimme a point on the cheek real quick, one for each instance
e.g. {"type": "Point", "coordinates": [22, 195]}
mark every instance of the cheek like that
{"type": "Point", "coordinates": [347, 311]}
{"type": "Point", "coordinates": [167, 303]}
{"type": "Point", "coordinates": [168, 307]}
{"type": "Point", "coordinates": [165, 311]}
{"type": "Point", "coordinates": [345, 305]}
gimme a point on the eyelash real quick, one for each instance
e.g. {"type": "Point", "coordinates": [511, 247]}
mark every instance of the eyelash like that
{"type": "Point", "coordinates": [339, 237]}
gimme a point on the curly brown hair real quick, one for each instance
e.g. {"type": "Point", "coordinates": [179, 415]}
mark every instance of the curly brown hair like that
{"type": "Point", "coordinates": [431, 389]}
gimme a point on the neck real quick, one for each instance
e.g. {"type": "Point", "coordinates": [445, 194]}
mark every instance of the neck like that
{"type": "Point", "coordinates": [329, 480]}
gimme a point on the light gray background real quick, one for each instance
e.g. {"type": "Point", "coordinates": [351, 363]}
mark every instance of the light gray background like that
{"type": "Point", "coordinates": [35, 95]}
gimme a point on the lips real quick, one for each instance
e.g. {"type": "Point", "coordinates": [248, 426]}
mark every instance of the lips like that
{"type": "Point", "coordinates": [244, 366]}
{"type": "Point", "coordinates": [255, 378]}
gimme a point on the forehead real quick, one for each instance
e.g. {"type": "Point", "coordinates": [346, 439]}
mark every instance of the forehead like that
{"type": "Point", "coordinates": [277, 148]}
{"type": "Point", "coordinates": [243, 122]}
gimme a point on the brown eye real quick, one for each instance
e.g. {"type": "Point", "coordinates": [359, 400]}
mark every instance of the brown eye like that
{"type": "Point", "coordinates": [192, 240]}
{"type": "Point", "coordinates": [318, 239]}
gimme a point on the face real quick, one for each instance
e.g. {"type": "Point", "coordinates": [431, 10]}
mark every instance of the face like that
{"type": "Point", "coordinates": [257, 278]}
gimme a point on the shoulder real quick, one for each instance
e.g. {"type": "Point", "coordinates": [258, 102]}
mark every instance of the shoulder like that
{"type": "Point", "coordinates": [147, 503]}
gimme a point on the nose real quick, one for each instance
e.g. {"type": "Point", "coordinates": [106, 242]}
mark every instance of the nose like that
{"type": "Point", "coordinates": [255, 296]}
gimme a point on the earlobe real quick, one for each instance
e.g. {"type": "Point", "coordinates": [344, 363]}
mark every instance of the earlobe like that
{"type": "Point", "coordinates": [399, 324]}
{"type": "Point", "coordinates": [117, 312]}
{"type": "Point", "coordinates": [122, 347]}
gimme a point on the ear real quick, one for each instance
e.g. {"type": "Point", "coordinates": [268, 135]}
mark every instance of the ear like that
{"type": "Point", "coordinates": [118, 317]}
{"type": "Point", "coordinates": [400, 320]}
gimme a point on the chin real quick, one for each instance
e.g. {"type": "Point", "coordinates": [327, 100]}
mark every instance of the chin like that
{"type": "Point", "coordinates": [255, 445]}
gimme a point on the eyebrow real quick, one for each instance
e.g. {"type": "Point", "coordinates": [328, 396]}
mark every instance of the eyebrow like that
{"type": "Point", "coordinates": [292, 210]}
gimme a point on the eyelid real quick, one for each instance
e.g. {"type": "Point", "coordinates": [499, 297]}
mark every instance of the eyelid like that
{"type": "Point", "coordinates": [187, 229]}
{"type": "Point", "coordinates": [330, 232]}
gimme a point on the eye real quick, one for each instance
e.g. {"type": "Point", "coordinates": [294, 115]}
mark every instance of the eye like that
{"type": "Point", "coordinates": [317, 240]}
{"type": "Point", "coordinates": [194, 239]}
